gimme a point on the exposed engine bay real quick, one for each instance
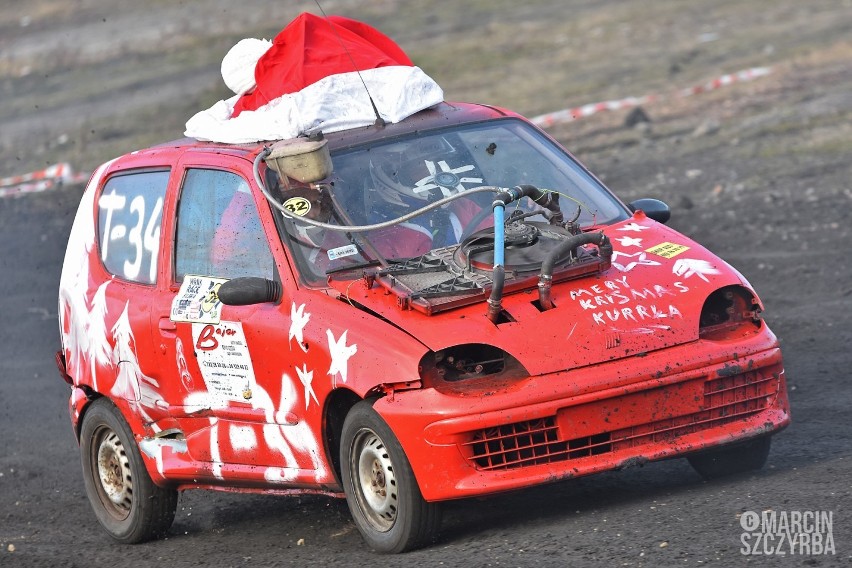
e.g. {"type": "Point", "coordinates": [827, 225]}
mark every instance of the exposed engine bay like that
{"type": "Point", "coordinates": [459, 275]}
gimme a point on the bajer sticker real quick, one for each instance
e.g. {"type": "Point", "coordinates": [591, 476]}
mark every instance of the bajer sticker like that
{"type": "Point", "coordinates": [298, 206]}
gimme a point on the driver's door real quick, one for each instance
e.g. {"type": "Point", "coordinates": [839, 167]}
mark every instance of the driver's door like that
{"type": "Point", "coordinates": [217, 362]}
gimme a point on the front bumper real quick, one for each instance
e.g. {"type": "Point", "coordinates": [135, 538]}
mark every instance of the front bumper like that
{"type": "Point", "coordinates": [604, 417]}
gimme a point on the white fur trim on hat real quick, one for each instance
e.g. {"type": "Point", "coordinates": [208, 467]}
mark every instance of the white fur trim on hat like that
{"type": "Point", "coordinates": [238, 64]}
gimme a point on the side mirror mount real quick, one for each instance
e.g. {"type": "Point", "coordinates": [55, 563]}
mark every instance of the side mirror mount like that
{"type": "Point", "coordinates": [653, 208]}
{"type": "Point", "coordinates": [249, 290]}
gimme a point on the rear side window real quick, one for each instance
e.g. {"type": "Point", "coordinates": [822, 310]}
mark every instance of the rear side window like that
{"type": "Point", "coordinates": [218, 228]}
{"type": "Point", "coordinates": [130, 212]}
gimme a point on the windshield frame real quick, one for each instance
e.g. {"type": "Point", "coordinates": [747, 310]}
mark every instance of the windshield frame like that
{"type": "Point", "coordinates": [551, 150]}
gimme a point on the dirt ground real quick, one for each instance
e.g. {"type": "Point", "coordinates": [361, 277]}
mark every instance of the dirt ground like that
{"type": "Point", "coordinates": [759, 172]}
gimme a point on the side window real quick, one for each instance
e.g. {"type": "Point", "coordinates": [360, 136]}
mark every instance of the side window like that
{"type": "Point", "coordinates": [130, 212]}
{"type": "Point", "coordinates": [218, 228]}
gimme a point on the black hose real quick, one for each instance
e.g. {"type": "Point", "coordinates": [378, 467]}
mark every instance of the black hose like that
{"type": "Point", "coordinates": [547, 199]}
{"type": "Point", "coordinates": [545, 280]}
{"type": "Point", "coordinates": [495, 301]}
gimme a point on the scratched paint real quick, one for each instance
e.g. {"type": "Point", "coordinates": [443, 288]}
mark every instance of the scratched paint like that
{"type": "Point", "coordinates": [131, 384]}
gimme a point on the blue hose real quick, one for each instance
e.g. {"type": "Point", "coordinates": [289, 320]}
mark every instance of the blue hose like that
{"type": "Point", "coordinates": [499, 233]}
{"type": "Point", "coordinates": [498, 274]}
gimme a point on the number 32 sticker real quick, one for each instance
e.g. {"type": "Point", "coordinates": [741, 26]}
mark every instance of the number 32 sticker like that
{"type": "Point", "coordinates": [298, 206]}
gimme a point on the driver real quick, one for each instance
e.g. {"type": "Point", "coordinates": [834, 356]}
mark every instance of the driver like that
{"type": "Point", "coordinates": [400, 184]}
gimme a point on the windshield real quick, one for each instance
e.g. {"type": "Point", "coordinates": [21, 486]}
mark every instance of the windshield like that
{"type": "Point", "coordinates": [384, 180]}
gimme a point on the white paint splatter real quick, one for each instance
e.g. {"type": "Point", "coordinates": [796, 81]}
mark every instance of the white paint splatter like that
{"type": "Point", "coordinates": [131, 383]}
{"type": "Point", "coordinates": [640, 257]}
{"type": "Point", "coordinates": [687, 267]}
{"type": "Point", "coordinates": [182, 366]}
{"type": "Point", "coordinates": [154, 448]}
{"type": "Point", "coordinates": [243, 438]}
{"type": "Point", "coordinates": [215, 455]}
{"type": "Point", "coordinates": [633, 227]}
{"type": "Point", "coordinates": [340, 354]}
{"type": "Point", "coordinates": [306, 377]}
{"type": "Point", "coordinates": [298, 321]}
{"type": "Point", "coordinates": [126, 383]}
{"type": "Point", "coordinates": [296, 443]}
{"type": "Point", "coordinates": [285, 438]}
{"type": "Point", "coordinates": [202, 400]}
{"type": "Point", "coordinates": [629, 242]}
{"type": "Point", "coordinates": [84, 343]}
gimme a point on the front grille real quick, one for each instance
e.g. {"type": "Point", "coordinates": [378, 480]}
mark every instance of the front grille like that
{"type": "Point", "coordinates": [516, 445]}
{"type": "Point", "coordinates": [534, 442]}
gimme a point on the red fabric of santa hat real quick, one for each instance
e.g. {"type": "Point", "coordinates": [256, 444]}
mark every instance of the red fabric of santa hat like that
{"type": "Point", "coordinates": [311, 48]}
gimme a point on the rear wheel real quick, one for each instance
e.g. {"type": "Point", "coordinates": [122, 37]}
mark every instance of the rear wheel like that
{"type": "Point", "coordinates": [380, 487]}
{"type": "Point", "coordinates": [735, 458]}
{"type": "Point", "coordinates": [125, 500]}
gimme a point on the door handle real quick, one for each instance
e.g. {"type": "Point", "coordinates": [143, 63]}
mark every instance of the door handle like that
{"type": "Point", "coordinates": [167, 326]}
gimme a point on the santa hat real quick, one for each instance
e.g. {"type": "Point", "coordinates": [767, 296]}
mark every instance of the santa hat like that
{"type": "Point", "coordinates": [239, 63]}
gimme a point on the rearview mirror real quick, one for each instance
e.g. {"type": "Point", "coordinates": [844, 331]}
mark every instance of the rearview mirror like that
{"type": "Point", "coordinates": [653, 208]}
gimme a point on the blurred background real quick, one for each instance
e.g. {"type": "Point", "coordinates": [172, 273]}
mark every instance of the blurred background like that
{"type": "Point", "coordinates": [83, 81]}
{"type": "Point", "coordinates": [758, 171]}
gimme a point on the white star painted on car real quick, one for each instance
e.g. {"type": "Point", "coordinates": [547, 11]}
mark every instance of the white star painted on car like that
{"type": "Point", "coordinates": [640, 259]}
{"type": "Point", "coordinates": [298, 321]}
{"type": "Point", "coordinates": [633, 227]}
{"type": "Point", "coordinates": [307, 378]}
{"type": "Point", "coordinates": [340, 354]}
{"type": "Point", "coordinates": [687, 267]}
{"type": "Point", "coordinates": [430, 181]}
{"type": "Point", "coordinates": [629, 242]}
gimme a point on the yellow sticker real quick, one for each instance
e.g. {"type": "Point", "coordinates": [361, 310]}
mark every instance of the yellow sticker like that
{"type": "Point", "coordinates": [298, 206]}
{"type": "Point", "coordinates": [667, 250]}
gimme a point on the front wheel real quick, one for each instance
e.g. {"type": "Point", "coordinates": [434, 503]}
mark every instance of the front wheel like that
{"type": "Point", "coordinates": [380, 487]}
{"type": "Point", "coordinates": [125, 500]}
{"type": "Point", "coordinates": [735, 458]}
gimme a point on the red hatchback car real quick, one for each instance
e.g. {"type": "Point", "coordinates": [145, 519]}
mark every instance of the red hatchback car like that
{"type": "Point", "coordinates": [400, 314]}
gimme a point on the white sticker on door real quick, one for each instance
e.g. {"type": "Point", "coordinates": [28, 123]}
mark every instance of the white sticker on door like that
{"type": "Point", "coordinates": [224, 360]}
{"type": "Point", "coordinates": [198, 300]}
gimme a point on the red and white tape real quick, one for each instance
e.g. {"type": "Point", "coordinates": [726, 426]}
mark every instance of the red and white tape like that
{"type": "Point", "coordinates": [62, 173]}
{"type": "Point", "coordinates": [571, 114]}
{"type": "Point", "coordinates": [725, 80]}
{"type": "Point", "coordinates": [41, 180]}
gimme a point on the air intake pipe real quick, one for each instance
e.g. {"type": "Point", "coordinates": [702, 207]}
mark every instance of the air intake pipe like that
{"type": "Point", "coordinates": [549, 200]}
{"type": "Point", "coordinates": [545, 280]}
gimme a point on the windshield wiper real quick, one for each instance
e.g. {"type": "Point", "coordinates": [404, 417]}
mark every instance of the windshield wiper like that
{"type": "Point", "coordinates": [356, 266]}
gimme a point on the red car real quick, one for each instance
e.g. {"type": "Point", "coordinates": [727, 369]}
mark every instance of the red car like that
{"type": "Point", "coordinates": [401, 314]}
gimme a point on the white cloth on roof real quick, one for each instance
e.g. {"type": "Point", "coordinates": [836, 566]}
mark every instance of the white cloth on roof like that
{"type": "Point", "coordinates": [337, 102]}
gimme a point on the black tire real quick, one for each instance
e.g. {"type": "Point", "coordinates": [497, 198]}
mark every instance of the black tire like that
{"type": "Point", "coordinates": [125, 500]}
{"type": "Point", "coordinates": [732, 459]}
{"type": "Point", "coordinates": [380, 487]}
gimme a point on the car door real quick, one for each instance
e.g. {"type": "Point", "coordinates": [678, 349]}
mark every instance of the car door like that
{"type": "Point", "coordinates": [129, 210]}
{"type": "Point", "coordinates": [230, 390]}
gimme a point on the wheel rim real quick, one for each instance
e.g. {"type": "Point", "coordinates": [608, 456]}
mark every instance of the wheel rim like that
{"type": "Point", "coordinates": [111, 469]}
{"type": "Point", "coordinates": [373, 480]}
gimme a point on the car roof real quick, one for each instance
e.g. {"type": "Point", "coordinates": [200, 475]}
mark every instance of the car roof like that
{"type": "Point", "coordinates": [444, 114]}
{"type": "Point", "coordinates": [440, 116]}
